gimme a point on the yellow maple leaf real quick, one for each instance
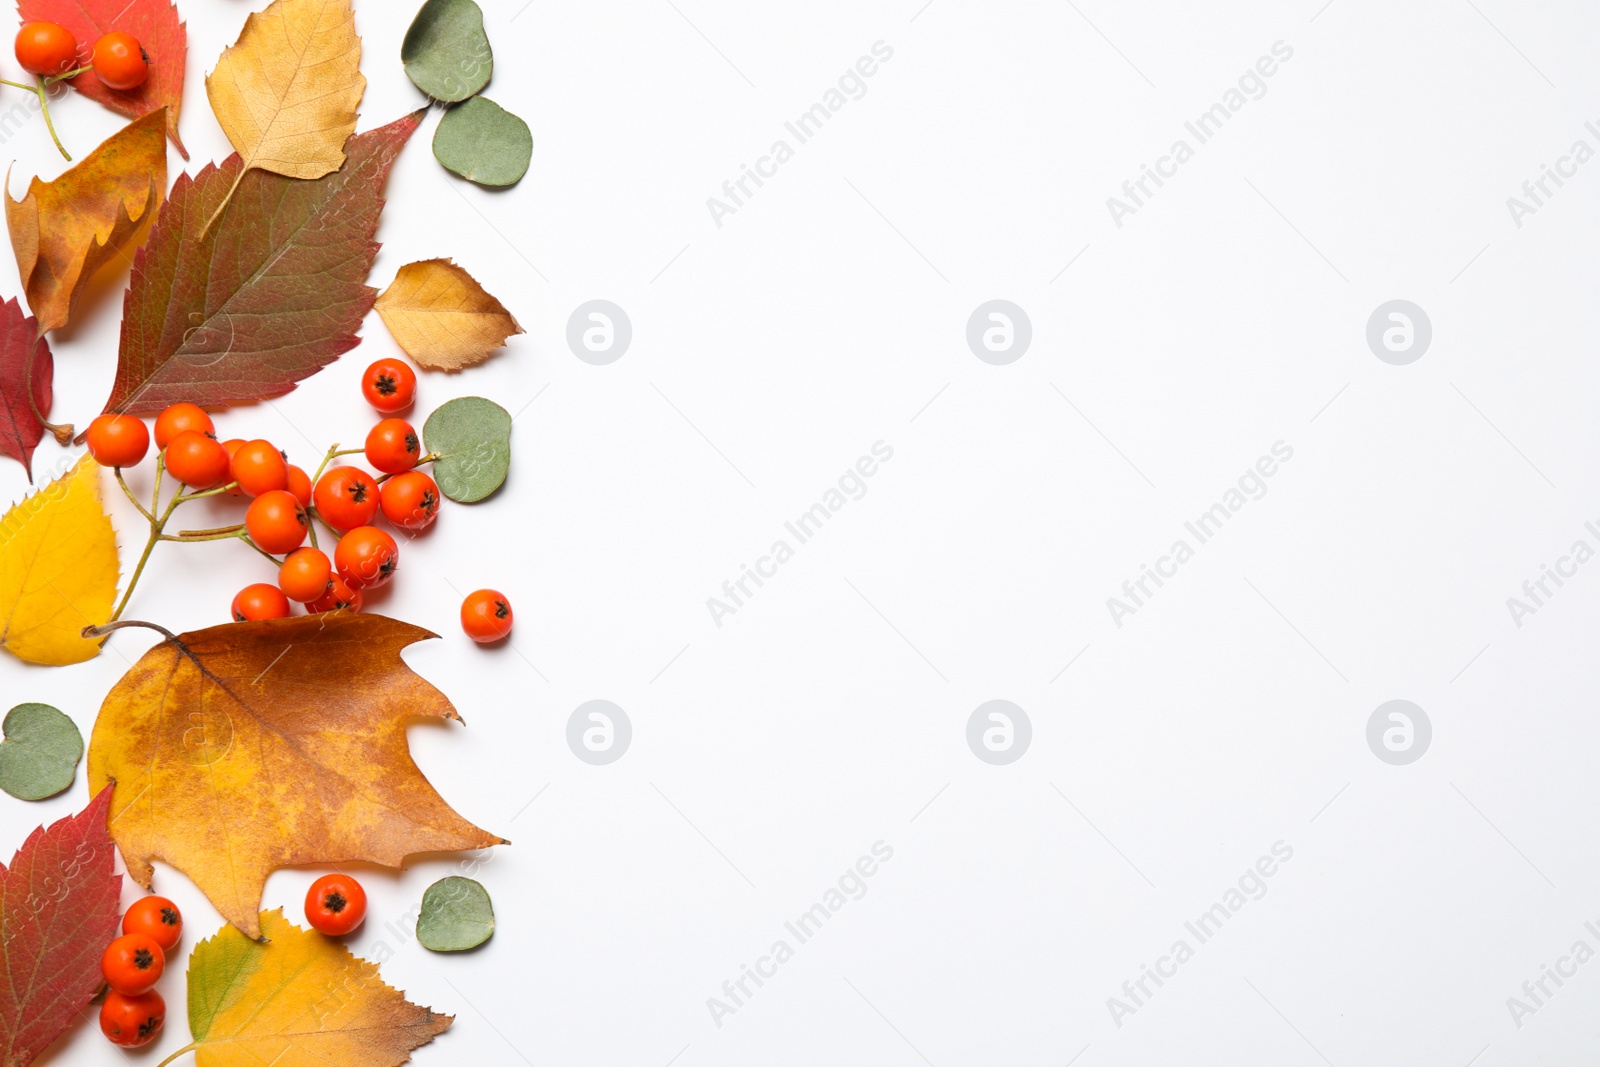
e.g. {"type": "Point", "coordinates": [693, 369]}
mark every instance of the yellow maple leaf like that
{"type": "Point", "coordinates": [64, 230]}
{"type": "Point", "coordinates": [286, 91]}
{"type": "Point", "coordinates": [58, 569]}
{"type": "Point", "coordinates": [442, 317]}
{"type": "Point", "coordinates": [250, 746]}
{"type": "Point", "coordinates": [297, 1000]}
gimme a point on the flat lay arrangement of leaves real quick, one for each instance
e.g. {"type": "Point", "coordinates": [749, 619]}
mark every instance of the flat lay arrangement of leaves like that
{"type": "Point", "coordinates": [248, 276]}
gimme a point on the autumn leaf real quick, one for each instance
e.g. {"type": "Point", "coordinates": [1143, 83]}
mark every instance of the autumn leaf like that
{"type": "Point", "coordinates": [251, 746]}
{"type": "Point", "coordinates": [165, 41]}
{"type": "Point", "coordinates": [58, 569]}
{"type": "Point", "coordinates": [297, 999]}
{"type": "Point", "coordinates": [286, 91]}
{"type": "Point", "coordinates": [65, 230]}
{"type": "Point", "coordinates": [442, 317]}
{"type": "Point", "coordinates": [20, 345]}
{"type": "Point", "coordinates": [58, 911]}
{"type": "Point", "coordinates": [272, 294]}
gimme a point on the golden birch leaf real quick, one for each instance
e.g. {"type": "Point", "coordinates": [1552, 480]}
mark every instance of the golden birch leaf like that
{"type": "Point", "coordinates": [442, 317]}
{"type": "Point", "coordinates": [298, 1000]}
{"type": "Point", "coordinates": [58, 569]}
{"type": "Point", "coordinates": [64, 230]}
{"type": "Point", "coordinates": [286, 91]}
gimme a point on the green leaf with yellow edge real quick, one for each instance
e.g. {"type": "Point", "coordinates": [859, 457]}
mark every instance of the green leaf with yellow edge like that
{"type": "Point", "coordinates": [58, 570]}
{"type": "Point", "coordinates": [297, 999]}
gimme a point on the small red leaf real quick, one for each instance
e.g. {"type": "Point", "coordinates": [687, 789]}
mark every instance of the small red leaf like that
{"type": "Point", "coordinates": [58, 911]}
{"type": "Point", "coordinates": [273, 292]}
{"type": "Point", "coordinates": [154, 22]}
{"type": "Point", "coordinates": [20, 343]}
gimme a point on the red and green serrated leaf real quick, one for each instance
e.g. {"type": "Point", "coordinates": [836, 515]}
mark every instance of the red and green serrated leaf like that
{"type": "Point", "coordinates": [273, 292]}
{"type": "Point", "coordinates": [163, 36]}
{"type": "Point", "coordinates": [20, 345]}
{"type": "Point", "coordinates": [58, 911]}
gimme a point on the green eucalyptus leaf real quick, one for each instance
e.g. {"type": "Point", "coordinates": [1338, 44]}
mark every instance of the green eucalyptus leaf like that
{"type": "Point", "coordinates": [483, 142]}
{"type": "Point", "coordinates": [40, 753]}
{"type": "Point", "coordinates": [446, 53]}
{"type": "Point", "coordinates": [456, 915]}
{"type": "Point", "coordinates": [472, 437]}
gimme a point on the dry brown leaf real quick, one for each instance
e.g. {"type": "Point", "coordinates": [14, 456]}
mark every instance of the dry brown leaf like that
{"type": "Point", "coordinates": [64, 230]}
{"type": "Point", "coordinates": [286, 91]}
{"type": "Point", "coordinates": [251, 746]}
{"type": "Point", "coordinates": [442, 317]}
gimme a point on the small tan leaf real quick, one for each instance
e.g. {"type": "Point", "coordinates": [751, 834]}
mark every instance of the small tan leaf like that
{"type": "Point", "coordinates": [441, 316]}
{"type": "Point", "coordinates": [286, 91]}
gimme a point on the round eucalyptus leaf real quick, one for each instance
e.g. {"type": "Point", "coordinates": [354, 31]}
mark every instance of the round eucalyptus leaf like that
{"type": "Point", "coordinates": [456, 915]}
{"type": "Point", "coordinates": [40, 753]}
{"type": "Point", "coordinates": [483, 142]}
{"type": "Point", "coordinates": [472, 437]}
{"type": "Point", "coordinates": [446, 53]}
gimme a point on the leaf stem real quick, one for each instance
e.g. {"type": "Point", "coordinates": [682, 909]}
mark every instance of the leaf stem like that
{"type": "Point", "coordinates": [429, 458]}
{"type": "Point", "coordinates": [101, 631]}
{"type": "Point", "coordinates": [244, 168]}
{"type": "Point", "coordinates": [192, 1046]}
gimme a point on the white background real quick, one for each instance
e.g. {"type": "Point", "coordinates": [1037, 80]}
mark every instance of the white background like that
{"type": "Point", "coordinates": [829, 713]}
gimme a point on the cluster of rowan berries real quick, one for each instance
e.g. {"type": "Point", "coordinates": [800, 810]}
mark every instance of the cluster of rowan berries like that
{"type": "Point", "coordinates": [284, 501]}
{"type": "Point", "coordinates": [133, 1012]}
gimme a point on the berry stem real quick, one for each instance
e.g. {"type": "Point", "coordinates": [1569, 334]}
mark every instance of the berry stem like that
{"type": "Point", "coordinates": [129, 494]}
{"type": "Point", "coordinates": [429, 458]}
{"type": "Point", "coordinates": [44, 103]}
{"type": "Point", "coordinates": [203, 535]}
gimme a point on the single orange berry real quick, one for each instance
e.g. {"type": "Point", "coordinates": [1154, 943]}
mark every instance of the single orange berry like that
{"type": "Point", "coordinates": [339, 597]}
{"type": "Point", "coordinates": [45, 48]}
{"type": "Point", "coordinates": [260, 601]}
{"type": "Point", "coordinates": [346, 497]}
{"type": "Point", "coordinates": [486, 616]}
{"type": "Point", "coordinates": [392, 446]}
{"type": "Point", "coordinates": [132, 1021]}
{"type": "Point", "coordinates": [120, 62]}
{"type": "Point", "coordinates": [156, 917]}
{"type": "Point", "coordinates": [300, 485]}
{"type": "Point", "coordinates": [276, 522]}
{"type": "Point", "coordinates": [366, 557]}
{"type": "Point", "coordinates": [410, 500]}
{"type": "Point", "coordinates": [305, 575]}
{"type": "Point", "coordinates": [390, 386]}
{"type": "Point", "coordinates": [196, 460]}
{"type": "Point", "coordinates": [180, 417]}
{"type": "Point", "coordinates": [258, 467]}
{"type": "Point", "coordinates": [132, 964]}
{"type": "Point", "coordinates": [335, 904]}
{"type": "Point", "coordinates": [118, 440]}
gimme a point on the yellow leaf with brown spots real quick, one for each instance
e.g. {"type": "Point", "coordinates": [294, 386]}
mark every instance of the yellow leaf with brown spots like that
{"type": "Point", "coordinates": [251, 746]}
{"type": "Point", "coordinates": [58, 569]}
{"type": "Point", "coordinates": [65, 230]}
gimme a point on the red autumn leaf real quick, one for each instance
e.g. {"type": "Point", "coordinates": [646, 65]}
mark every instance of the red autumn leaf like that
{"type": "Point", "coordinates": [20, 343]}
{"type": "Point", "coordinates": [154, 22]}
{"type": "Point", "coordinates": [58, 911]}
{"type": "Point", "coordinates": [273, 292]}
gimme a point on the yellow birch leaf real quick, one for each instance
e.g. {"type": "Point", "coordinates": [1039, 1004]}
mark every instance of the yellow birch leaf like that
{"type": "Point", "coordinates": [251, 746]}
{"type": "Point", "coordinates": [286, 91]}
{"type": "Point", "coordinates": [63, 231]}
{"type": "Point", "coordinates": [441, 316]}
{"type": "Point", "coordinates": [58, 569]}
{"type": "Point", "coordinates": [297, 1000]}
